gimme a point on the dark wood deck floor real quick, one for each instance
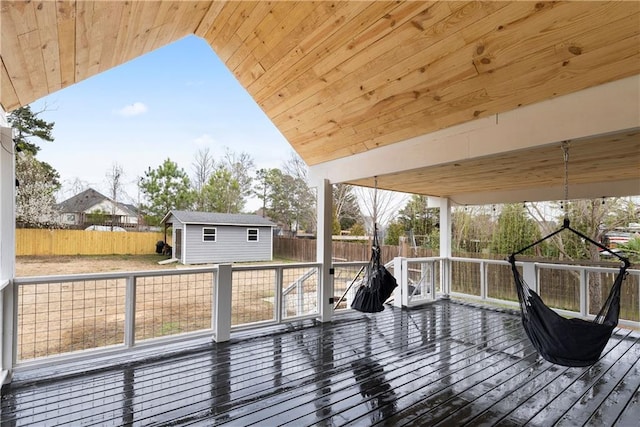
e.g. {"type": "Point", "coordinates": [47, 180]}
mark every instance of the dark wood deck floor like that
{"type": "Point", "coordinates": [445, 364]}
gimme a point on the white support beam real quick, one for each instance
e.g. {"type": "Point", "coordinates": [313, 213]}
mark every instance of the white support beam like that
{"type": "Point", "coordinates": [324, 248]}
{"type": "Point", "coordinates": [445, 244]}
{"type": "Point", "coordinates": [620, 188]}
{"type": "Point", "coordinates": [7, 250]}
{"type": "Point", "coordinates": [400, 293]}
{"type": "Point", "coordinates": [599, 110]}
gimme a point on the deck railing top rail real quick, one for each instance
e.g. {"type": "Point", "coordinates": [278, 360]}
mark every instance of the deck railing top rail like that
{"type": "Point", "coordinates": [127, 303]}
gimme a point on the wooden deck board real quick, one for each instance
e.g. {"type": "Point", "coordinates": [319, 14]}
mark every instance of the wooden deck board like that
{"type": "Point", "coordinates": [443, 364]}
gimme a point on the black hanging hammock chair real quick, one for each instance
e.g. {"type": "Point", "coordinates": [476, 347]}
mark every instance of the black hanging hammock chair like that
{"type": "Point", "coordinates": [568, 342]}
{"type": "Point", "coordinates": [377, 285]}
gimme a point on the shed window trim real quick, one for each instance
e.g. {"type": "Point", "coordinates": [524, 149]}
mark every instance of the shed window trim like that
{"type": "Point", "coordinates": [253, 235]}
{"type": "Point", "coordinates": [209, 234]}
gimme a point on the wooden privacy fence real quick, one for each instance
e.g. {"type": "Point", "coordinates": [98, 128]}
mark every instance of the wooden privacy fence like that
{"type": "Point", "coordinates": [34, 242]}
{"type": "Point", "coordinates": [304, 250]}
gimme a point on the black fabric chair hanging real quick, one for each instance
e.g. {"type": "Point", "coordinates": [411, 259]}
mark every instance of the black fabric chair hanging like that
{"type": "Point", "coordinates": [377, 286]}
{"type": "Point", "coordinates": [568, 342]}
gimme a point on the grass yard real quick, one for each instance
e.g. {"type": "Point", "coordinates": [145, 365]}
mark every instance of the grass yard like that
{"type": "Point", "coordinates": [56, 265]}
{"type": "Point", "coordinates": [59, 317]}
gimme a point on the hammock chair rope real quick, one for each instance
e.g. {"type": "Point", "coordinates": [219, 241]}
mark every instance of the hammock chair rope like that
{"type": "Point", "coordinates": [565, 155]}
{"type": "Point", "coordinates": [378, 283]}
{"type": "Point", "coordinates": [568, 342]}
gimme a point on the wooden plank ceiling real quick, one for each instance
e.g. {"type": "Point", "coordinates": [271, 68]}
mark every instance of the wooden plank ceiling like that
{"type": "Point", "coordinates": [342, 78]}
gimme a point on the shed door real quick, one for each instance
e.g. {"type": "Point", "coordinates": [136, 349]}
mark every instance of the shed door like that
{"type": "Point", "coordinates": [178, 244]}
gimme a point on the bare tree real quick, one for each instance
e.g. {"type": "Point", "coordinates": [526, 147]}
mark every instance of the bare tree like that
{"type": "Point", "coordinates": [115, 178]}
{"type": "Point", "coordinates": [203, 167]}
{"type": "Point", "coordinates": [345, 205]}
{"type": "Point", "coordinates": [241, 167]}
{"type": "Point", "coordinates": [296, 167]}
{"type": "Point", "coordinates": [72, 188]}
{"type": "Point", "coordinates": [380, 206]}
{"type": "Point", "coordinates": [304, 199]}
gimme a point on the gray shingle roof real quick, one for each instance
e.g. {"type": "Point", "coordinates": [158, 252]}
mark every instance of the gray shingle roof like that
{"type": "Point", "coordinates": [211, 218]}
{"type": "Point", "coordinates": [89, 198]}
{"type": "Point", "coordinates": [82, 201]}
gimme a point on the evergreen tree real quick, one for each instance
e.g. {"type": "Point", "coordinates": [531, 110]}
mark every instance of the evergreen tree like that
{"type": "Point", "coordinates": [357, 229]}
{"type": "Point", "coordinates": [37, 181]}
{"type": "Point", "coordinates": [514, 230]}
{"type": "Point", "coordinates": [287, 200]}
{"type": "Point", "coordinates": [394, 231]}
{"type": "Point", "coordinates": [222, 193]}
{"type": "Point", "coordinates": [27, 125]}
{"type": "Point", "coordinates": [418, 219]}
{"type": "Point", "coordinates": [166, 188]}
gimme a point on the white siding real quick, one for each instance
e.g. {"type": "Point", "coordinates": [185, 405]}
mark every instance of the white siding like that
{"type": "Point", "coordinates": [231, 245]}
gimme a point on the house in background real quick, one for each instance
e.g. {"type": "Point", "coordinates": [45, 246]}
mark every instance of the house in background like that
{"type": "Point", "coordinates": [208, 237]}
{"type": "Point", "coordinates": [93, 208]}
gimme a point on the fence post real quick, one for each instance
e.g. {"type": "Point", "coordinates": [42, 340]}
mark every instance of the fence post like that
{"type": "Point", "coordinates": [222, 304]}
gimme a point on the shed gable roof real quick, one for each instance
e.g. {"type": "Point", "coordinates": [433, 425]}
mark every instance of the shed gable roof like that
{"type": "Point", "coordinates": [216, 218]}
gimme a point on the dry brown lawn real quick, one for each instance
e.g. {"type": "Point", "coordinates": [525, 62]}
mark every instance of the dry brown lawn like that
{"type": "Point", "coordinates": [59, 317]}
{"type": "Point", "coordinates": [55, 265]}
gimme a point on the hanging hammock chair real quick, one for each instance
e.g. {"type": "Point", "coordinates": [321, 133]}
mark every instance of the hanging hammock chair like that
{"type": "Point", "coordinates": [378, 284]}
{"type": "Point", "coordinates": [568, 342]}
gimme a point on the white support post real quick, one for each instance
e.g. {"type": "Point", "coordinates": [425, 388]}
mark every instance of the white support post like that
{"type": "Point", "coordinates": [432, 279]}
{"type": "Point", "coordinates": [445, 245]}
{"type": "Point", "coordinates": [530, 277]}
{"type": "Point", "coordinates": [222, 301]}
{"type": "Point", "coordinates": [483, 281]}
{"type": "Point", "coordinates": [300, 304]}
{"type": "Point", "coordinates": [279, 298]}
{"type": "Point", "coordinates": [400, 293]}
{"type": "Point", "coordinates": [7, 250]}
{"type": "Point", "coordinates": [584, 292]}
{"type": "Point", "coordinates": [324, 249]}
{"type": "Point", "coordinates": [130, 312]}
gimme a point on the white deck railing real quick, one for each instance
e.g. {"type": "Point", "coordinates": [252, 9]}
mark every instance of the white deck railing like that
{"type": "Point", "coordinates": [572, 290]}
{"type": "Point", "coordinates": [85, 315]}
{"type": "Point", "coordinates": [63, 318]}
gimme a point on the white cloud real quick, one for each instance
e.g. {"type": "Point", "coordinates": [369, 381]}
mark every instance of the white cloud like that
{"type": "Point", "coordinates": [204, 140]}
{"type": "Point", "coordinates": [134, 109]}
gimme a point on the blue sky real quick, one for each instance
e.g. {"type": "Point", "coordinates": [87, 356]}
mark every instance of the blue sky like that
{"type": "Point", "coordinates": [168, 103]}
